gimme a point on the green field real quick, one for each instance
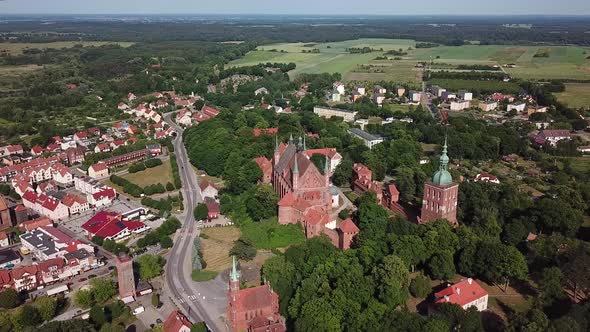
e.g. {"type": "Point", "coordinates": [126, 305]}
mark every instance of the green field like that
{"type": "Point", "coordinates": [575, 95]}
{"type": "Point", "coordinates": [562, 61]}
{"type": "Point", "coordinates": [17, 48]}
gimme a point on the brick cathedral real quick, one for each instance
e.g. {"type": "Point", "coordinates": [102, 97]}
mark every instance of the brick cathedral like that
{"type": "Point", "coordinates": [304, 193]}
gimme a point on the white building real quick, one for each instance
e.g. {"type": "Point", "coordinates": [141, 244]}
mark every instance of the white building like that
{"type": "Point", "coordinates": [459, 105]}
{"type": "Point", "coordinates": [488, 106]}
{"type": "Point", "coordinates": [466, 293]}
{"type": "Point", "coordinates": [370, 140]}
{"type": "Point", "coordinates": [465, 95]}
{"type": "Point", "coordinates": [328, 112]}
{"type": "Point", "coordinates": [518, 107]}
{"type": "Point", "coordinates": [415, 96]}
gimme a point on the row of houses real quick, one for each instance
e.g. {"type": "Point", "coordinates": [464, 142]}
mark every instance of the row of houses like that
{"type": "Point", "coordinates": [185, 117]}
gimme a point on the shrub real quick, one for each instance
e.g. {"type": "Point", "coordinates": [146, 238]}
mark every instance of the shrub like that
{"type": "Point", "coordinates": [170, 186]}
{"type": "Point", "coordinates": [243, 249]}
{"type": "Point", "coordinates": [153, 162]}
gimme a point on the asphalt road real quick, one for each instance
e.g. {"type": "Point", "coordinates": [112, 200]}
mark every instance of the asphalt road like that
{"type": "Point", "coordinates": [199, 301]}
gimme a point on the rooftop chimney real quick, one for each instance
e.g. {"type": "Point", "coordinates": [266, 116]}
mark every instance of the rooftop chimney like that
{"type": "Point", "coordinates": [469, 280]}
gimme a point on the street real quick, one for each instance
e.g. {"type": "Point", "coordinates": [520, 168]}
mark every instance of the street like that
{"type": "Point", "coordinates": [204, 301]}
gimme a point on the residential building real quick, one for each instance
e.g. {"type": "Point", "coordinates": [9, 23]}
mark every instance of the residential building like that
{"type": "Point", "coordinates": [98, 171]}
{"type": "Point", "coordinates": [399, 90]}
{"type": "Point", "coordinates": [440, 196]}
{"type": "Point", "coordinates": [370, 140]}
{"type": "Point", "coordinates": [537, 109]}
{"type": "Point", "coordinates": [5, 219]}
{"type": "Point", "coordinates": [47, 242]}
{"type": "Point", "coordinates": [61, 174]}
{"type": "Point", "coordinates": [465, 95]}
{"type": "Point", "coordinates": [328, 112]}
{"type": "Point", "coordinates": [339, 88]}
{"type": "Point", "coordinates": [177, 322]}
{"type": "Point", "coordinates": [75, 155]}
{"type": "Point", "coordinates": [437, 90]}
{"type": "Point", "coordinates": [379, 89]}
{"type": "Point", "coordinates": [4, 241]}
{"type": "Point", "coordinates": [518, 107]}
{"type": "Point", "coordinates": [360, 90]}
{"type": "Point", "coordinates": [459, 105]}
{"type": "Point", "coordinates": [25, 278]}
{"type": "Point", "coordinates": [45, 205]}
{"type": "Point", "coordinates": [447, 95]}
{"type": "Point", "coordinates": [9, 259]}
{"type": "Point", "coordinates": [31, 225]}
{"type": "Point", "coordinates": [208, 189]}
{"type": "Point", "coordinates": [488, 106]}
{"type": "Point", "coordinates": [75, 204]}
{"type": "Point", "coordinates": [54, 270]}
{"type": "Point", "coordinates": [247, 306]}
{"type": "Point", "coordinates": [102, 198]}
{"type": "Point", "coordinates": [486, 177]}
{"type": "Point", "coordinates": [125, 277]}
{"type": "Point", "coordinates": [466, 293]}
{"type": "Point", "coordinates": [266, 167]}
{"type": "Point", "coordinates": [213, 209]}
{"type": "Point", "coordinates": [183, 117]}
{"type": "Point", "coordinates": [209, 111]}
{"type": "Point", "coordinates": [550, 136]}
{"type": "Point", "coordinates": [414, 96]}
{"type": "Point", "coordinates": [378, 98]}
{"type": "Point", "coordinates": [127, 158]}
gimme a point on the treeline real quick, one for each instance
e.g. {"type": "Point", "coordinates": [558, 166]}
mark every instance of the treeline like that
{"type": "Point", "coordinates": [161, 234]}
{"type": "Point", "coordinates": [426, 45]}
{"type": "Point", "coordinates": [143, 165]}
{"type": "Point", "coordinates": [478, 88]}
{"type": "Point", "coordinates": [473, 75]}
{"type": "Point", "coordinates": [257, 70]}
{"type": "Point", "coordinates": [362, 50]}
{"type": "Point", "coordinates": [478, 67]}
{"type": "Point", "coordinates": [446, 31]}
{"type": "Point", "coordinates": [165, 205]}
{"type": "Point", "coordinates": [175, 172]}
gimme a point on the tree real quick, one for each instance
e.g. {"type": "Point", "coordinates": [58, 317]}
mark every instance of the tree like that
{"type": "Point", "coordinates": [83, 298]}
{"type": "Point", "coordinates": [111, 327]}
{"type": "Point", "coordinates": [441, 266]}
{"type": "Point", "coordinates": [411, 249]}
{"type": "Point", "coordinates": [166, 242]}
{"type": "Point", "coordinates": [262, 204]}
{"type": "Point", "coordinates": [575, 267]}
{"type": "Point", "coordinates": [9, 299]}
{"type": "Point", "coordinates": [5, 322]}
{"type": "Point", "coordinates": [78, 325]}
{"type": "Point", "coordinates": [199, 327]}
{"type": "Point", "coordinates": [392, 279]}
{"type": "Point", "coordinates": [564, 324]}
{"type": "Point", "coordinates": [97, 240]}
{"type": "Point", "coordinates": [201, 211]}
{"type": "Point", "coordinates": [150, 266]}
{"type": "Point", "coordinates": [169, 186]}
{"type": "Point", "coordinates": [103, 289]}
{"type": "Point", "coordinates": [319, 160]}
{"type": "Point", "coordinates": [156, 300]}
{"type": "Point", "coordinates": [243, 249]}
{"type": "Point", "coordinates": [97, 316]}
{"type": "Point", "coordinates": [343, 173]}
{"type": "Point", "coordinates": [26, 316]}
{"type": "Point", "coordinates": [551, 285]}
{"type": "Point", "coordinates": [420, 286]}
{"type": "Point", "coordinates": [46, 306]}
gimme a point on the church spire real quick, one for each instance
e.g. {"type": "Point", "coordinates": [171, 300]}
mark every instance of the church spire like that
{"type": "Point", "coordinates": [234, 275]}
{"type": "Point", "coordinates": [290, 138]}
{"type": "Point", "coordinates": [304, 147]}
{"type": "Point", "coordinates": [442, 176]}
{"type": "Point", "coordinates": [276, 143]}
{"type": "Point", "coordinates": [300, 144]}
{"type": "Point", "coordinates": [295, 166]}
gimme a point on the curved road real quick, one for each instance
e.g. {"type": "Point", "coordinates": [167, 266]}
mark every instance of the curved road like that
{"type": "Point", "coordinates": [204, 301]}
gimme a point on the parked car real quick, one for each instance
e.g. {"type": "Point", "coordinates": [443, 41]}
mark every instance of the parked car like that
{"type": "Point", "coordinates": [82, 279]}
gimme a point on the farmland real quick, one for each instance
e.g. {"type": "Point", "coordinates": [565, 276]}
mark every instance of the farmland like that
{"type": "Point", "coordinates": [557, 61]}
{"type": "Point", "coordinates": [17, 48]}
{"type": "Point", "coordinates": [575, 95]}
{"type": "Point", "coordinates": [159, 174]}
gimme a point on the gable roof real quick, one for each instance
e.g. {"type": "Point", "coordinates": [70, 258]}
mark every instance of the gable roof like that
{"type": "Point", "coordinates": [461, 293]}
{"type": "Point", "coordinates": [175, 321]}
{"type": "Point", "coordinates": [348, 226]}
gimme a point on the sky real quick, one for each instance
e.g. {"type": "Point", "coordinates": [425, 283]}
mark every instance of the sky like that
{"type": "Point", "coordinates": [322, 7]}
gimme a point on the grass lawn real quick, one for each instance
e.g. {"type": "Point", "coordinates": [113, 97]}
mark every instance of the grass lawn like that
{"type": "Point", "coordinates": [203, 275]}
{"type": "Point", "coordinates": [580, 164]}
{"type": "Point", "coordinates": [159, 174]}
{"type": "Point", "coordinates": [217, 245]}
{"type": "Point", "coordinates": [270, 234]}
{"type": "Point", "coordinates": [17, 48]}
{"type": "Point", "coordinates": [576, 95]}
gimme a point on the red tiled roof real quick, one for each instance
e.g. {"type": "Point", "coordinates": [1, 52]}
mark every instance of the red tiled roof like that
{"type": "Point", "coordinates": [20, 271]}
{"type": "Point", "coordinates": [81, 134]}
{"type": "Point", "coordinates": [328, 152]}
{"type": "Point", "coordinates": [255, 298]}
{"type": "Point", "coordinates": [461, 293]}
{"type": "Point", "coordinates": [287, 200]}
{"type": "Point", "coordinates": [268, 131]}
{"type": "Point", "coordinates": [51, 204]}
{"type": "Point", "coordinates": [30, 196]}
{"type": "Point", "coordinates": [37, 149]}
{"type": "Point", "coordinates": [14, 148]}
{"type": "Point", "coordinates": [348, 226]}
{"type": "Point", "coordinates": [3, 236]}
{"type": "Point", "coordinates": [207, 183]}
{"type": "Point", "coordinates": [70, 199]}
{"type": "Point", "coordinates": [110, 193]}
{"type": "Point", "coordinates": [393, 189]}
{"type": "Point", "coordinates": [5, 278]}
{"type": "Point", "coordinates": [35, 223]}
{"type": "Point", "coordinates": [20, 208]}
{"type": "Point", "coordinates": [210, 111]}
{"type": "Point", "coordinates": [46, 265]}
{"type": "Point", "coordinates": [100, 166]}
{"type": "Point", "coordinates": [175, 322]}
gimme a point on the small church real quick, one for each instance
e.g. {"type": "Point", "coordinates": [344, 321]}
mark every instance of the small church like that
{"type": "Point", "coordinates": [305, 195]}
{"type": "Point", "coordinates": [254, 309]}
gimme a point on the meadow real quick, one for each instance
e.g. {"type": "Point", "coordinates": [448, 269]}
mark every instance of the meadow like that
{"type": "Point", "coordinates": [561, 61]}
{"type": "Point", "coordinates": [17, 48]}
{"type": "Point", "coordinates": [576, 95]}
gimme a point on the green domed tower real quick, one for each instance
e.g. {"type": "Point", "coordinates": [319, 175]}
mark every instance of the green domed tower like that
{"type": "Point", "coordinates": [440, 194]}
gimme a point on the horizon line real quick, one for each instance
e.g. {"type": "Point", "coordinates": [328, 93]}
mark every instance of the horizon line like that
{"type": "Point", "coordinates": [300, 14]}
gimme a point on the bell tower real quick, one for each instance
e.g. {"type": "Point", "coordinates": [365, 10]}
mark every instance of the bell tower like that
{"type": "Point", "coordinates": [440, 195]}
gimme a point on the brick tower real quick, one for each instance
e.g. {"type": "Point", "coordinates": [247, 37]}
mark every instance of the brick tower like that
{"type": "Point", "coordinates": [440, 194]}
{"type": "Point", "coordinates": [125, 276]}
